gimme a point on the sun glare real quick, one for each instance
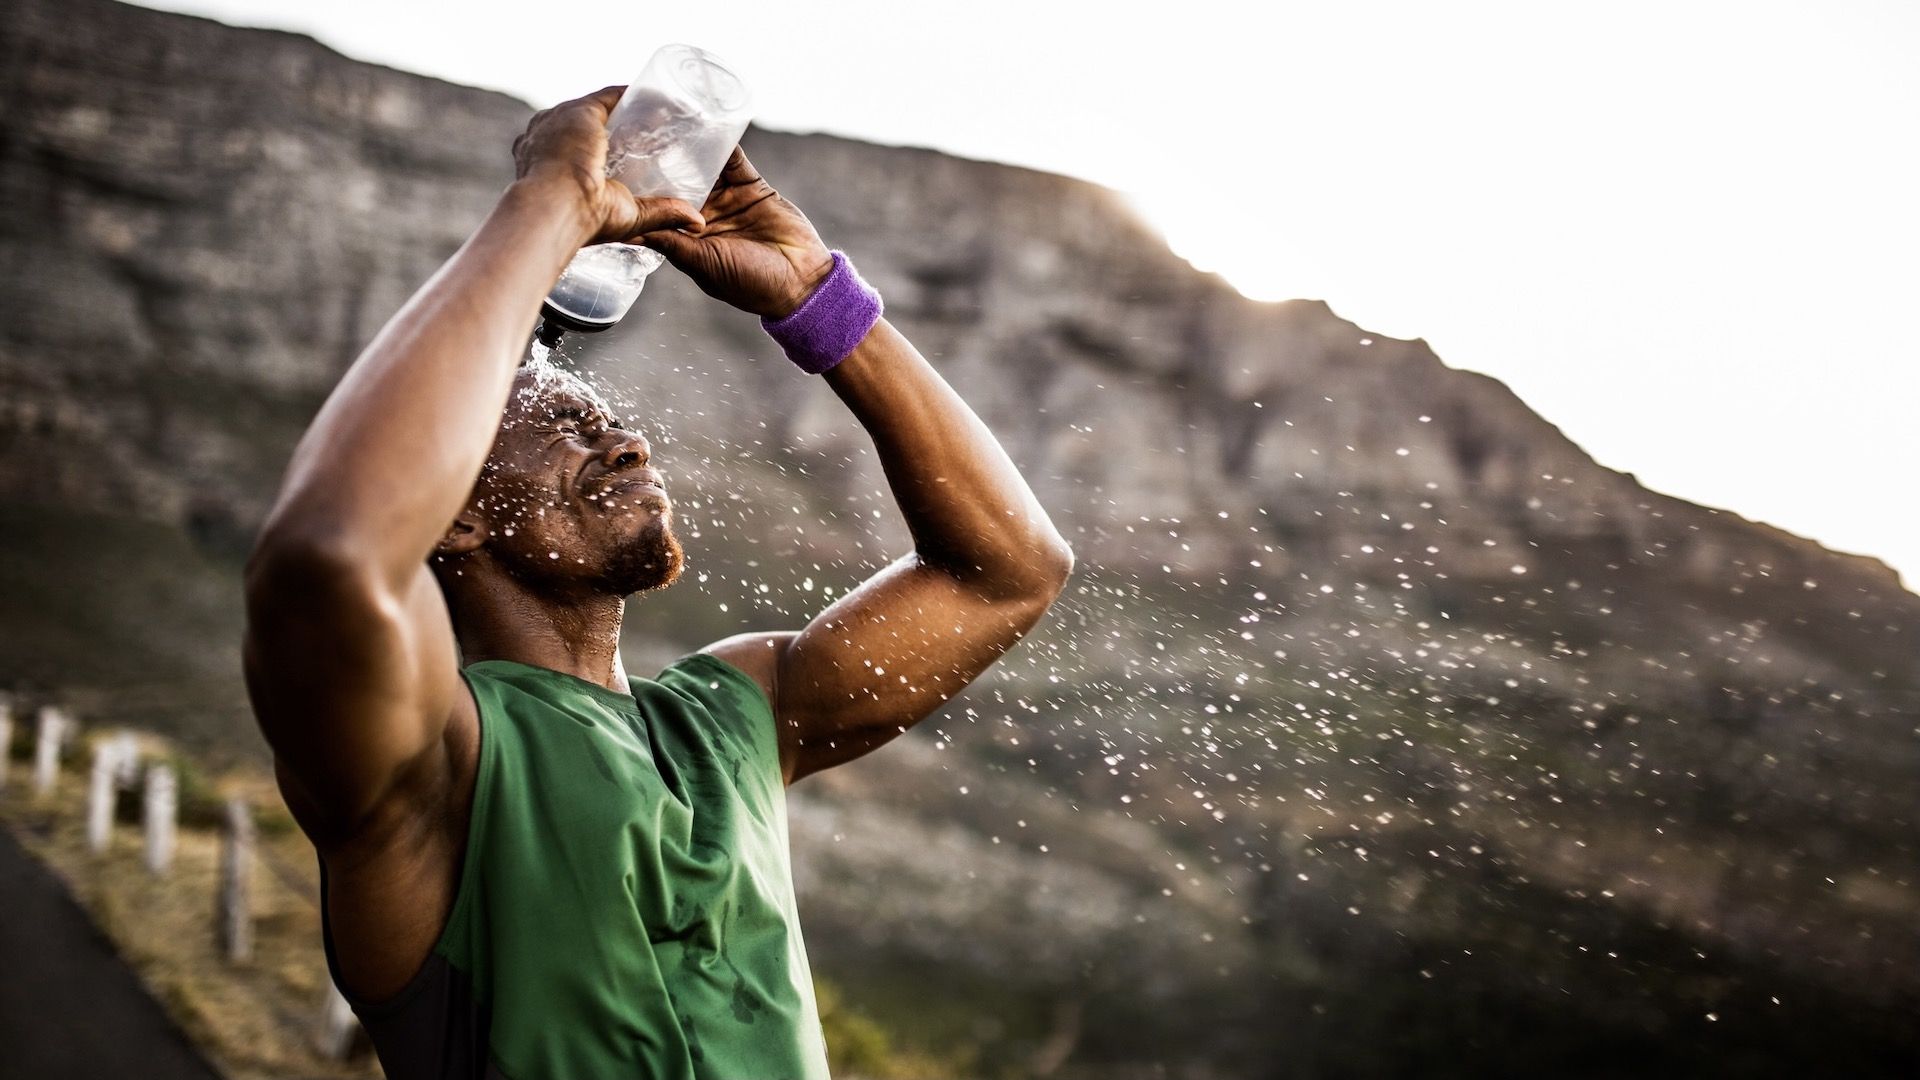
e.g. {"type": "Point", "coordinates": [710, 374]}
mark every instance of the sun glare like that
{"type": "Point", "coordinates": [1257, 271]}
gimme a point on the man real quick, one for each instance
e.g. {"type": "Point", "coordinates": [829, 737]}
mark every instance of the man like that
{"type": "Point", "coordinates": [533, 866]}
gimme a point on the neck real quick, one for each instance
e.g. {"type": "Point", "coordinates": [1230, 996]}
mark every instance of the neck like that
{"type": "Point", "coordinates": [501, 619]}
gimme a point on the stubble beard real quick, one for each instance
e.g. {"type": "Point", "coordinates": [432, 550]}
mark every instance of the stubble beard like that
{"type": "Point", "coordinates": [648, 561]}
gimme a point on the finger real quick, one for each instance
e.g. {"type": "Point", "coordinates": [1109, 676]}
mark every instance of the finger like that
{"type": "Point", "coordinates": [652, 215]}
{"type": "Point", "coordinates": [680, 249]}
{"type": "Point", "coordinates": [738, 180]}
{"type": "Point", "coordinates": [739, 171]}
{"type": "Point", "coordinates": [601, 101]}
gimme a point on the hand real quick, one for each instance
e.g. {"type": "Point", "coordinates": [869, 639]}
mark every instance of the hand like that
{"type": "Point", "coordinates": [754, 250]}
{"type": "Point", "coordinates": [564, 151]}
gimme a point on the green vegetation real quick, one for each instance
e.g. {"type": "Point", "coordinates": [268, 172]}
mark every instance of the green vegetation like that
{"type": "Point", "coordinates": [858, 1046]}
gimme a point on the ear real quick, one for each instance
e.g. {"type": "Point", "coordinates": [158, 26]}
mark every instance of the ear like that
{"type": "Point", "coordinates": [465, 535]}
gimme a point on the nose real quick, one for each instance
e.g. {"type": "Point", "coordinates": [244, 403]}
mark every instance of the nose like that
{"type": "Point", "coordinates": [630, 451]}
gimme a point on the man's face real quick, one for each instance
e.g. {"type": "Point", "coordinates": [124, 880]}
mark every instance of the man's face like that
{"type": "Point", "coordinates": [569, 497]}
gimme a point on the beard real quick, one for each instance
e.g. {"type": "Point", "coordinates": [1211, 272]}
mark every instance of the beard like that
{"type": "Point", "coordinates": [648, 560]}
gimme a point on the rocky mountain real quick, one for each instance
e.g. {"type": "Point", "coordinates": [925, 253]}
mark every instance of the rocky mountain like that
{"type": "Point", "coordinates": [1383, 730]}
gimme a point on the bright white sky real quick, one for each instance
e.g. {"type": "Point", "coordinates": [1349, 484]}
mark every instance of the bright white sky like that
{"type": "Point", "coordinates": [1686, 232]}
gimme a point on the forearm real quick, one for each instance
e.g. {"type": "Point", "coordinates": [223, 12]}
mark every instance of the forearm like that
{"type": "Point", "coordinates": [392, 455]}
{"type": "Point", "coordinates": [968, 508]}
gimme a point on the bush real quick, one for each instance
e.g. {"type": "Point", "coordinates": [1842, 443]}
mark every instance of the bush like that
{"type": "Point", "coordinates": [20, 747]}
{"type": "Point", "coordinates": [201, 807]}
{"type": "Point", "coordinates": [858, 1046]}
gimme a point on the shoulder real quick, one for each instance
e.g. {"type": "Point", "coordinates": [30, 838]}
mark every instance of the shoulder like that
{"type": "Point", "coordinates": [756, 655]}
{"type": "Point", "coordinates": [733, 687]}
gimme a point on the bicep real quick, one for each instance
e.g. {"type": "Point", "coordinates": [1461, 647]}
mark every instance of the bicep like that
{"type": "Point", "coordinates": [886, 655]}
{"type": "Point", "coordinates": [352, 682]}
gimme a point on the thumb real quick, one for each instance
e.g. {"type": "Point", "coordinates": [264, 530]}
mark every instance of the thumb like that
{"type": "Point", "coordinates": [650, 215]}
{"type": "Point", "coordinates": [680, 249]}
{"type": "Point", "coordinates": [628, 216]}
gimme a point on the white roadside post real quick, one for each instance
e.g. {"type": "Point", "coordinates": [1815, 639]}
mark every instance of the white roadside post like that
{"type": "Point", "coordinates": [6, 739]}
{"type": "Point", "coordinates": [333, 1037]}
{"type": "Point", "coordinates": [106, 764]}
{"type": "Point", "coordinates": [52, 731]}
{"type": "Point", "coordinates": [126, 761]}
{"type": "Point", "coordinates": [161, 816]}
{"type": "Point", "coordinates": [236, 873]}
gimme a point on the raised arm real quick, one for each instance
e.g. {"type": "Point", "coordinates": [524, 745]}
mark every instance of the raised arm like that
{"type": "Point", "coordinates": [350, 655]}
{"type": "Point", "coordinates": [986, 563]}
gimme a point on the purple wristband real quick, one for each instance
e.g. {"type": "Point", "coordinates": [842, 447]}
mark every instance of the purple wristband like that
{"type": "Point", "coordinates": [830, 321]}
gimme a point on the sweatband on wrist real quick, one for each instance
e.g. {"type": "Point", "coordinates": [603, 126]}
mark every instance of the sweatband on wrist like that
{"type": "Point", "coordinates": [833, 319]}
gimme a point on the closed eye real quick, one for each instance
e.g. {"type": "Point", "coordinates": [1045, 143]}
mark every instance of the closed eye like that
{"type": "Point", "coordinates": [579, 423]}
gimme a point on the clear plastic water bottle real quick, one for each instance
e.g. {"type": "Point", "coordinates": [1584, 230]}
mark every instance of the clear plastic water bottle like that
{"type": "Point", "coordinates": [668, 137]}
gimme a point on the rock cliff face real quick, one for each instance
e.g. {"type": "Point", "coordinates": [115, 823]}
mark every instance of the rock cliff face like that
{"type": "Point", "coordinates": [1369, 675]}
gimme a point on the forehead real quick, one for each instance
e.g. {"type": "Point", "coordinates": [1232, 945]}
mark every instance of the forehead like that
{"type": "Point", "coordinates": [541, 394]}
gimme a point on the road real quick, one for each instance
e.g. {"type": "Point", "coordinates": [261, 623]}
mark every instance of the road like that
{"type": "Point", "coordinates": [68, 1006]}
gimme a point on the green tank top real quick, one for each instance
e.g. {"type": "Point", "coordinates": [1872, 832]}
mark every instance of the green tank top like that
{"type": "Point", "coordinates": [625, 907]}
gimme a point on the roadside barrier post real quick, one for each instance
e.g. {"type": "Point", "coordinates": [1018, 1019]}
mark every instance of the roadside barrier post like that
{"type": "Point", "coordinates": [6, 739]}
{"type": "Point", "coordinates": [334, 1035]}
{"type": "Point", "coordinates": [52, 731]}
{"type": "Point", "coordinates": [236, 873]}
{"type": "Point", "coordinates": [101, 787]}
{"type": "Point", "coordinates": [160, 816]}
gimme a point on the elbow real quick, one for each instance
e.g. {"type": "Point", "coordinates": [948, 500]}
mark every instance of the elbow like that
{"type": "Point", "coordinates": [1045, 579]}
{"type": "Point", "coordinates": [1059, 563]}
{"type": "Point", "coordinates": [1047, 571]}
{"type": "Point", "coordinates": [1035, 573]}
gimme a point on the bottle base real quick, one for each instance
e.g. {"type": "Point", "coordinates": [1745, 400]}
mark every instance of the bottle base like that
{"type": "Point", "coordinates": [557, 322]}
